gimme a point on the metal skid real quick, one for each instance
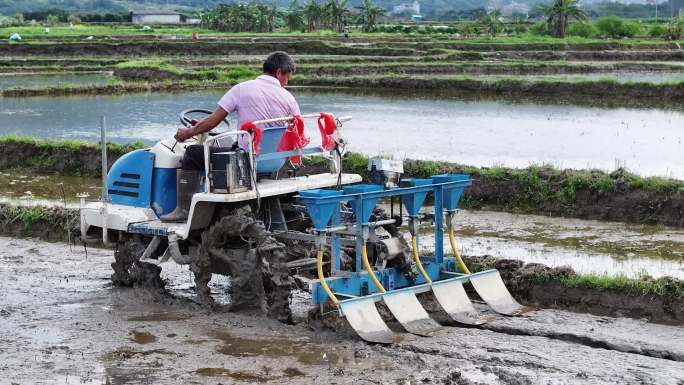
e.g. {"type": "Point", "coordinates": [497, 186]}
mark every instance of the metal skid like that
{"type": "Point", "coordinates": [354, 293]}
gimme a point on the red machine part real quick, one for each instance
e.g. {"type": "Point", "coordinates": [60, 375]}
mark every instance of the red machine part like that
{"type": "Point", "coordinates": [294, 138]}
{"type": "Point", "coordinates": [257, 134]}
{"type": "Point", "coordinates": [327, 126]}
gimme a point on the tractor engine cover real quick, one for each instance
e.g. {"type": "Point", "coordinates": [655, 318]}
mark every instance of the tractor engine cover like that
{"type": "Point", "coordinates": [385, 172]}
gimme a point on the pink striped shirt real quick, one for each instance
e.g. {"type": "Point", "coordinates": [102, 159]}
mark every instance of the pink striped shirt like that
{"type": "Point", "coordinates": [258, 99]}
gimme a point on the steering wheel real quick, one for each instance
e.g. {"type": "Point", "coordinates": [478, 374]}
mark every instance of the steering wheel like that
{"type": "Point", "coordinates": [187, 121]}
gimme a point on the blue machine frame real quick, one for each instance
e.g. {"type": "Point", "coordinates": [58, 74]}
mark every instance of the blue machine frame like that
{"type": "Point", "coordinates": [324, 207]}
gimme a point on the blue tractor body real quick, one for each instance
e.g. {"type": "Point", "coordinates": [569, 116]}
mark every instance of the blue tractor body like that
{"type": "Point", "coordinates": [134, 181]}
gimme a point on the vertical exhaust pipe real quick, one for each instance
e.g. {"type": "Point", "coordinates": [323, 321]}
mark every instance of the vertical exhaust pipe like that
{"type": "Point", "coordinates": [105, 192]}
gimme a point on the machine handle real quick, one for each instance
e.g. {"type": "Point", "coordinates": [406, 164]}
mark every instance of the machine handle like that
{"type": "Point", "coordinates": [289, 119]}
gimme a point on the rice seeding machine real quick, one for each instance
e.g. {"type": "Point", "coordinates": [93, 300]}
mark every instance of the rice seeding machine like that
{"type": "Point", "coordinates": [358, 255]}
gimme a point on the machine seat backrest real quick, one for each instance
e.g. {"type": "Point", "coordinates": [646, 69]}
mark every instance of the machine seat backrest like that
{"type": "Point", "coordinates": [269, 144]}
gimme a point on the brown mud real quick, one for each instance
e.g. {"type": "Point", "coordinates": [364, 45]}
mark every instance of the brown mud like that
{"type": "Point", "coordinates": [63, 322]}
{"type": "Point", "coordinates": [241, 248]}
{"type": "Point", "coordinates": [68, 158]}
{"type": "Point", "coordinates": [674, 55]}
{"type": "Point", "coordinates": [168, 48]}
{"type": "Point", "coordinates": [306, 46]}
{"type": "Point", "coordinates": [484, 47]}
{"type": "Point", "coordinates": [509, 69]}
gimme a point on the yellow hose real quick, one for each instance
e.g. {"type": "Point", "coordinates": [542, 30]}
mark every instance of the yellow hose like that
{"type": "Point", "coordinates": [367, 266]}
{"type": "Point", "coordinates": [416, 258]}
{"type": "Point", "coordinates": [321, 279]}
{"type": "Point", "coordinates": [459, 261]}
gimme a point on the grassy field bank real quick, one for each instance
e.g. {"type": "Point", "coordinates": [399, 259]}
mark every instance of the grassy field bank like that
{"type": "Point", "coordinates": [593, 194]}
{"type": "Point", "coordinates": [659, 300]}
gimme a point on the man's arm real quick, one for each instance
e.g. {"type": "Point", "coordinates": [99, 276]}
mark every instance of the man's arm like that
{"type": "Point", "coordinates": [204, 125]}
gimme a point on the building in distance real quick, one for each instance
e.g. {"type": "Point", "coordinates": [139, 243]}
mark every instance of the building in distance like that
{"type": "Point", "coordinates": [161, 17]}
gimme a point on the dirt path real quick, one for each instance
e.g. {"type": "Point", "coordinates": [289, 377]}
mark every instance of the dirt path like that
{"type": "Point", "coordinates": [61, 322]}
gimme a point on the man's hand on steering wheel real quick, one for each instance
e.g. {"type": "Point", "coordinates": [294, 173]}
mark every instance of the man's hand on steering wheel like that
{"type": "Point", "coordinates": [205, 125]}
{"type": "Point", "coordinates": [184, 133]}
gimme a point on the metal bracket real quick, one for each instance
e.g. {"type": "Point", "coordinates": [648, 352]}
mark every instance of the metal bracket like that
{"type": "Point", "coordinates": [150, 248]}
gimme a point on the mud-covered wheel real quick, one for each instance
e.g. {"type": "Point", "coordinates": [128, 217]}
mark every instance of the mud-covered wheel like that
{"type": "Point", "coordinates": [240, 247]}
{"type": "Point", "coordinates": [129, 270]}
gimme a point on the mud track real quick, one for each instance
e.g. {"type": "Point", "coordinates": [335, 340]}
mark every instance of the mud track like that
{"type": "Point", "coordinates": [63, 322]}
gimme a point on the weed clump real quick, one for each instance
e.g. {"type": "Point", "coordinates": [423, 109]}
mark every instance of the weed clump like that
{"type": "Point", "coordinates": [50, 223]}
{"type": "Point", "coordinates": [157, 64]}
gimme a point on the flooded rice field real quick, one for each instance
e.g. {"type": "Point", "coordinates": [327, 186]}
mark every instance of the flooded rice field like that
{"type": "Point", "coordinates": [587, 246]}
{"type": "Point", "coordinates": [479, 133]}
{"type": "Point", "coordinates": [657, 77]}
{"type": "Point", "coordinates": [64, 323]}
{"type": "Point", "coordinates": [23, 80]}
{"type": "Point", "coordinates": [21, 186]}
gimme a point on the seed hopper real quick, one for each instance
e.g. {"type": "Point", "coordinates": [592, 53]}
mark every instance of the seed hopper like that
{"type": "Point", "coordinates": [357, 262]}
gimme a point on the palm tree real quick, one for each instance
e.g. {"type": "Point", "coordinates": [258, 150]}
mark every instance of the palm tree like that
{"type": "Point", "coordinates": [293, 17]}
{"type": "Point", "coordinates": [369, 15]}
{"type": "Point", "coordinates": [313, 13]}
{"type": "Point", "coordinates": [491, 22]}
{"type": "Point", "coordinates": [272, 17]}
{"type": "Point", "coordinates": [558, 15]}
{"type": "Point", "coordinates": [336, 13]}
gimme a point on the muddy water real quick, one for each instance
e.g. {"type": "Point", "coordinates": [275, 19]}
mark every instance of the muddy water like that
{"type": "Point", "coordinates": [480, 133]}
{"type": "Point", "coordinates": [8, 81]}
{"type": "Point", "coordinates": [63, 323]}
{"type": "Point", "coordinates": [587, 246]}
{"type": "Point", "coordinates": [21, 186]}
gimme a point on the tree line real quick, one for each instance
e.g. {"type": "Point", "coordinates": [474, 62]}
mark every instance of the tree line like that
{"type": "Point", "coordinates": [310, 16]}
{"type": "Point", "coordinates": [558, 14]}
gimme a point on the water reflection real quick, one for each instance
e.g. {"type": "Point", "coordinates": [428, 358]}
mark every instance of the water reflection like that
{"type": "Point", "coordinates": [477, 132]}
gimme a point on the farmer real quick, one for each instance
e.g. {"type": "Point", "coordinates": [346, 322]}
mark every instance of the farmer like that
{"type": "Point", "coordinates": [262, 98]}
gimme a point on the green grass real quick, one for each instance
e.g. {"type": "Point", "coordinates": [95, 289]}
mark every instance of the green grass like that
{"type": "Point", "coordinates": [233, 74]}
{"type": "Point", "coordinates": [68, 145]}
{"type": "Point", "coordinates": [51, 223]}
{"type": "Point", "coordinates": [666, 288]}
{"type": "Point", "coordinates": [28, 216]}
{"type": "Point", "coordinates": [154, 63]}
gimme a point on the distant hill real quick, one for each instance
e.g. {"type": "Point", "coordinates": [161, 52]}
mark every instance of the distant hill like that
{"type": "Point", "coordinates": [428, 7]}
{"type": "Point", "coordinates": [431, 9]}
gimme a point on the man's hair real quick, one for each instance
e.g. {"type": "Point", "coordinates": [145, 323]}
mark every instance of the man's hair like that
{"type": "Point", "coordinates": [278, 61]}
